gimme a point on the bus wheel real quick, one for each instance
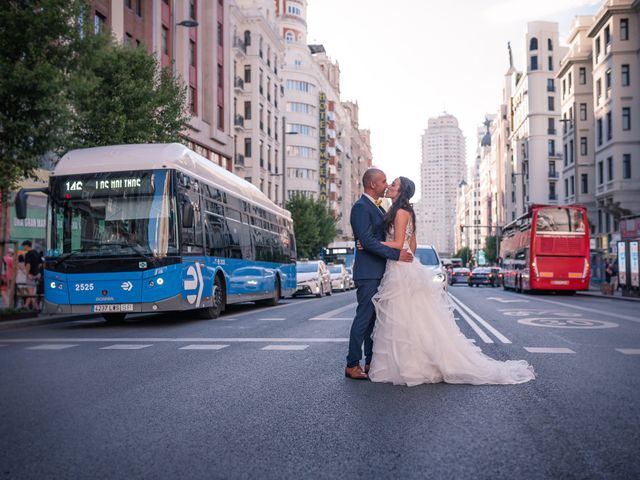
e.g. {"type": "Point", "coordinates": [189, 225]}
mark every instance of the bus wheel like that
{"type": "Point", "coordinates": [114, 317]}
{"type": "Point", "coordinates": [217, 295]}
{"type": "Point", "coordinates": [272, 302]}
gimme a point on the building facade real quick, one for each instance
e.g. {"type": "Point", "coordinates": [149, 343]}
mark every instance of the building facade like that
{"type": "Point", "coordinates": [442, 170]}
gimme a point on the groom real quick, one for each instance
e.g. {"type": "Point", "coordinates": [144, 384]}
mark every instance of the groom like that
{"type": "Point", "coordinates": [368, 228]}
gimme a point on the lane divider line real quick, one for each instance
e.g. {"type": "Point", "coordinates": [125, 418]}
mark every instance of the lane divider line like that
{"type": "Point", "coordinates": [629, 351]}
{"type": "Point", "coordinates": [328, 315]}
{"type": "Point", "coordinates": [182, 340]}
{"type": "Point", "coordinates": [125, 346]}
{"type": "Point", "coordinates": [52, 346]}
{"type": "Point", "coordinates": [548, 350]}
{"type": "Point", "coordinates": [483, 336]}
{"type": "Point", "coordinates": [285, 347]}
{"type": "Point", "coordinates": [480, 320]}
{"type": "Point", "coordinates": [206, 346]}
{"type": "Point", "coordinates": [332, 318]}
{"type": "Point", "coordinates": [591, 310]}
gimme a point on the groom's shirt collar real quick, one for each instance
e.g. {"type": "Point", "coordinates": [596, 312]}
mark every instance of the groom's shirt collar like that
{"type": "Point", "coordinates": [371, 199]}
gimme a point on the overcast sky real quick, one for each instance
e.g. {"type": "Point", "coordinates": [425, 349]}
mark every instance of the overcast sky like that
{"type": "Point", "coordinates": [407, 60]}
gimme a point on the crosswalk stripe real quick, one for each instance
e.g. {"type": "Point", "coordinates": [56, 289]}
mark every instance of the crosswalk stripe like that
{"type": "Point", "coordinates": [629, 351]}
{"type": "Point", "coordinates": [204, 347]}
{"type": "Point", "coordinates": [52, 346]}
{"type": "Point", "coordinates": [285, 347]}
{"type": "Point", "coordinates": [125, 346]}
{"type": "Point", "coordinates": [548, 350]}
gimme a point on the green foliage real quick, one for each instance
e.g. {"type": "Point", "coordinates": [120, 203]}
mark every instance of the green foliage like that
{"type": "Point", "coordinates": [314, 225]}
{"type": "Point", "coordinates": [490, 249]}
{"type": "Point", "coordinates": [465, 254]}
{"type": "Point", "coordinates": [36, 50]}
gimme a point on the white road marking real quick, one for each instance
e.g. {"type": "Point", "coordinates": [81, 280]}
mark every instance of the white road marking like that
{"type": "Point", "coordinates": [343, 319]}
{"type": "Point", "coordinates": [483, 336]}
{"type": "Point", "coordinates": [125, 346]}
{"type": "Point", "coordinates": [224, 319]}
{"type": "Point", "coordinates": [52, 346]}
{"type": "Point", "coordinates": [273, 319]}
{"type": "Point", "coordinates": [629, 351]}
{"type": "Point", "coordinates": [330, 313]}
{"type": "Point", "coordinates": [182, 340]}
{"type": "Point", "coordinates": [481, 321]}
{"type": "Point", "coordinates": [504, 300]}
{"type": "Point", "coordinates": [591, 310]}
{"type": "Point", "coordinates": [285, 347]}
{"type": "Point", "coordinates": [206, 346]}
{"type": "Point", "coordinates": [548, 350]}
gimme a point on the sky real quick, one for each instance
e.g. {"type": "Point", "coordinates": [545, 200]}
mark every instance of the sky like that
{"type": "Point", "coordinates": [405, 61]}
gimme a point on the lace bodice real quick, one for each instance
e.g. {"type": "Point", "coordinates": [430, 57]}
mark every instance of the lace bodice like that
{"type": "Point", "coordinates": [407, 235]}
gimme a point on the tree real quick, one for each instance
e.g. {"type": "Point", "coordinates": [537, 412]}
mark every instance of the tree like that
{"type": "Point", "coordinates": [119, 95]}
{"type": "Point", "coordinates": [314, 225]}
{"type": "Point", "coordinates": [490, 249]}
{"type": "Point", "coordinates": [465, 254]}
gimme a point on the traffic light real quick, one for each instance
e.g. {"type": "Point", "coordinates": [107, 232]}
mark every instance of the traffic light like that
{"type": "Point", "coordinates": [461, 228]}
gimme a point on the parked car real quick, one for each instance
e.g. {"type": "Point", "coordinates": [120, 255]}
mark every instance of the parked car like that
{"type": "Point", "coordinates": [459, 275]}
{"type": "Point", "coordinates": [352, 283]}
{"type": "Point", "coordinates": [312, 278]}
{"type": "Point", "coordinates": [498, 276]}
{"type": "Point", "coordinates": [339, 277]}
{"type": "Point", "coordinates": [428, 256]}
{"type": "Point", "coordinates": [481, 276]}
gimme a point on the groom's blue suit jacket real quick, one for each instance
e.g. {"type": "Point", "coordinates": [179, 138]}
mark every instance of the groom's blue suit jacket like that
{"type": "Point", "coordinates": [367, 223]}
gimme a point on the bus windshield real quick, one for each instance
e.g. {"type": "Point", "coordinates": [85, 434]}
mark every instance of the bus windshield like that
{"type": "Point", "coordinates": [113, 214]}
{"type": "Point", "coordinates": [560, 220]}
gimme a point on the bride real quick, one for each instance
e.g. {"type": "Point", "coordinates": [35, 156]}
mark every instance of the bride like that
{"type": "Point", "coordinates": [415, 338]}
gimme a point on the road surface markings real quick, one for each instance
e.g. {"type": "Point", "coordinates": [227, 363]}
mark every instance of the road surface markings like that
{"type": "Point", "coordinates": [548, 350]}
{"type": "Point", "coordinates": [480, 320]}
{"type": "Point", "coordinates": [182, 340]}
{"type": "Point", "coordinates": [554, 322]}
{"type": "Point", "coordinates": [125, 346]}
{"type": "Point", "coordinates": [53, 346]}
{"type": "Point", "coordinates": [483, 336]}
{"type": "Point", "coordinates": [629, 351]}
{"type": "Point", "coordinates": [224, 319]}
{"type": "Point", "coordinates": [206, 346]}
{"type": "Point", "coordinates": [504, 300]}
{"type": "Point", "coordinates": [328, 315]}
{"type": "Point", "coordinates": [591, 310]}
{"type": "Point", "coordinates": [342, 319]}
{"type": "Point", "coordinates": [285, 347]}
{"type": "Point", "coordinates": [271, 319]}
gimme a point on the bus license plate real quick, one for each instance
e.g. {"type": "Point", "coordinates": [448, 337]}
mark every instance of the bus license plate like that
{"type": "Point", "coordinates": [560, 282]}
{"type": "Point", "coordinates": [123, 307]}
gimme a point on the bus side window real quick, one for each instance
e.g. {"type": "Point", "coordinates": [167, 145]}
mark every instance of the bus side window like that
{"type": "Point", "coordinates": [192, 238]}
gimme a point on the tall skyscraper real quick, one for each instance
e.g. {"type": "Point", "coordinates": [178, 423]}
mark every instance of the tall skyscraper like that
{"type": "Point", "coordinates": [442, 170]}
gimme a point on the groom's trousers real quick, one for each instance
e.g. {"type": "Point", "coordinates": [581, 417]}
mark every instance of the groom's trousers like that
{"type": "Point", "coordinates": [362, 326]}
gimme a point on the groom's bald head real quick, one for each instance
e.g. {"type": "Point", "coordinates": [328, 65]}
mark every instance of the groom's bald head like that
{"type": "Point", "coordinates": [374, 182]}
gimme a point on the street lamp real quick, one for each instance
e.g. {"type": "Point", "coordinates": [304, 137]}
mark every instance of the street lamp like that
{"type": "Point", "coordinates": [284, 161]}
{"type": "Point", "coordinates": [183, 23]}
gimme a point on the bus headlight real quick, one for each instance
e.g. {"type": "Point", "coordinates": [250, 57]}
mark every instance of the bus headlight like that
{"type": "Point", "coordinates": [52, 284]}
{"type": "Point", "coordinates": [160, 281]}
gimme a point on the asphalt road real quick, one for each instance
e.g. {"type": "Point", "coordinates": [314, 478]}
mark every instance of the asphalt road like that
{"type": "Point", "coordinates": [260, 393]}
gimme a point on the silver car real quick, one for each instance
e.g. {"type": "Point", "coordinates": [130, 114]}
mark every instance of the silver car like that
{"type": "Point", "coordinates": [339, 277]}
{"type": "Point", "coordinates": [428, 256]}
{"type": "Point", "coordinates": [312, 278]}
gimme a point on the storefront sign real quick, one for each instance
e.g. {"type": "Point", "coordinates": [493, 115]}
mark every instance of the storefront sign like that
{"type": "Point", "coordinates": [324, 159]}
{"type": "Point", "coordinates": [622, 263]}
{"type": "Point", "coordinates": [634, 267]}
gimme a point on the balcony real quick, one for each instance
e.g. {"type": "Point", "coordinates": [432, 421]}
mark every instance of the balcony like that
{"type": "Point", "coordinates": [238, 83]}
{"type": "Point", "coordinates": [238, 121]}
{"type": "Point", "coordinates": [553, 197]}
{"type": "Point", "coordinates": [239, 159]}
{"type": "Point", "coordinates": [239, 44]}
{"type": "Point", "coordinates": [551, 131]}
{"type": "Point", "coordinates": [553, 174]}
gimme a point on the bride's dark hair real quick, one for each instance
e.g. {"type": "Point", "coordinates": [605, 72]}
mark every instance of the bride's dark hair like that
{"type": "Point", "coordinates": [405, 192]}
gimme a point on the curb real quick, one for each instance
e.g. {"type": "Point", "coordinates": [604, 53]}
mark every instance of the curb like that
{"type": "Point", "coordinates": [609, 297]}
{"type": "Point", "coordinates": [44, 320]}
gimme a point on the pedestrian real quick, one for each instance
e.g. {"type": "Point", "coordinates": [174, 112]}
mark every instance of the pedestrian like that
{"type": "Point", "coordinates": [7, 275]}
{"type": "Point", "coordinates": [32, 269]}
{"type": "Point", "coordinates": [608, 278]}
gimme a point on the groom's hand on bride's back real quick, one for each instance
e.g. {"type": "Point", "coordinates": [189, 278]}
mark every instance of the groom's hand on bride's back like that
{"type": "Point", "coordinates": [406, 256]}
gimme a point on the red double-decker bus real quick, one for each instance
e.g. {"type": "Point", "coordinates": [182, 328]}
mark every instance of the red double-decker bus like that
{"type": "Point", "coordinates": [547, 249]}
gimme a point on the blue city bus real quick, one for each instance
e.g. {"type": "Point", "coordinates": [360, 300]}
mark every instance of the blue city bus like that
{"type": "Point", "coordinates": [159, 228]}
{"type": "Point", "coordinates": [339, 252]}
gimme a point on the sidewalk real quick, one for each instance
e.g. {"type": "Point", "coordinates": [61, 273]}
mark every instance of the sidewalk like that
{"type": "Point", "coordinates": [617, 295]}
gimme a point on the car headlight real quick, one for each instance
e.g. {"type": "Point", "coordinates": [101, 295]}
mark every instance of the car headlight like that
{"type": "Point", "coordinates": [439, 277]}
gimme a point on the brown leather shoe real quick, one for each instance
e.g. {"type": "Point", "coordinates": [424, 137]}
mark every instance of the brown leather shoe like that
{"type": "Point", "coordinates": [366, 368]}
{"type": "Point", "coordinates": [355, 373]}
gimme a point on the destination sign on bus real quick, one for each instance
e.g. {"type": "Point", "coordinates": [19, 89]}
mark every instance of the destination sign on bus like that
{"type": "Point", "coordinates": [104, 185]}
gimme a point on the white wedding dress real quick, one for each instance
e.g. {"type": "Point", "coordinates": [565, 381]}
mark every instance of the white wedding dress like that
{"type": "Point", "coordinates": [416, 339]}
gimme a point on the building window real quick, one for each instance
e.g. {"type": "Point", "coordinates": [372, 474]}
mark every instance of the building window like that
{"type": "Point", "coordinates": [293, 10]}
{"type": "Point", "coordinates": [626, 165]}
{"type": "Point", "coordinates": [247, 110]}
{"type": "Point", "coordinates": [552, 191]}
{"type": "Point", "coordinates": [220, 117]}
{"type": "Point", "coordinates": [551, 147]}
{"type": "Point", "coordinates": [624, 29]}
{"type": "Point", "coordinates": [247, 37]}
{"type": "Point", "coordinates": [139, 8]}
{"type": "Point", "coordinates": [597, 48]}
{"type": "Point", "coordinates": [550, 64]}
{"type": "Point", "coordinates": [247, 74]}
{"type": "Point", "coordinates": [583, 146]}
{"type": "Point", "coordinates": [220, 76]}
{"type": "Point", "coordinates": [549, 44]}
{"type": "Point", "coordinates": [583, 112]}
{"type": "Point", "coordinates": [598, 91]}
{"type": "Point", "coordinates": [571, 151]}
{"type": "Point", "coordinates": [247, 147]}
{"type": "Point", "coordinates": [625, 75]}
{"type": "Point", "coordinates": [572, 185]}
{"type": "Point", "coordinates": [220, 34]}
{"type": "Point", "coordinates": [609, 169]}
{"type": "Point", "coordinates": [583, 75]}
{"type": "Point", "coordinates": [607, 35]}
{"type": "Point", "coordinates": [599, 131]}
{"type": "Point", "coordinates": [289, 37]}
{"type": "Point", "coordinates": [569, 82]}
{"type": "Point", "coordinates": [584, 183]}
{"type": "Point", "coordinates": [607, 80]}
{"type": "Point", "coordinates": [609, 126]}
{"type": "Point", "coordinates": [165, 40]}
{"type": "Point", "coordinates": [566, 154]}
{"type": "Point", "coordinates": [128, 3]}
{"type": "Point", "coordinates": [551, 103]}
{"type": "Point", "coordinates": [99, 21]}
{"type": "Point", "coordinates": [551, 86]}
{"type": "Point", "coordinates": [534, 62]}
{"type": "Point", "coordinates": [600, 173]}
{"type": "Point", "coordinates": [566, 187]}
{"type": "Point", "coordinates": [626, 118]}
{"type": "Point", "coordinates": [299, 85]}
{"type": "Point", "coordinates": [192, 100]}
{"type": "Point", "coordinates": [192, 53]}
{"type": "Point", "coordinates": [192, 9]}
{"type": "Point", "coordinates": [551, 126]}
{"type": "Point", "coordinates": [261, 117]}
{"type": "Point", "coordinates": [533, 43]}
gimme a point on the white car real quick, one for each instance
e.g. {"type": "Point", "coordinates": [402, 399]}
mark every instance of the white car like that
{"type": "Point", "coordinates": [339, 277]}
{"type": "Point", "coordinates": [428, 256]}
{"type": "Point", "coordinates": [312, 278]}
{"type": "Point", "coordinates": [352, 283]}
